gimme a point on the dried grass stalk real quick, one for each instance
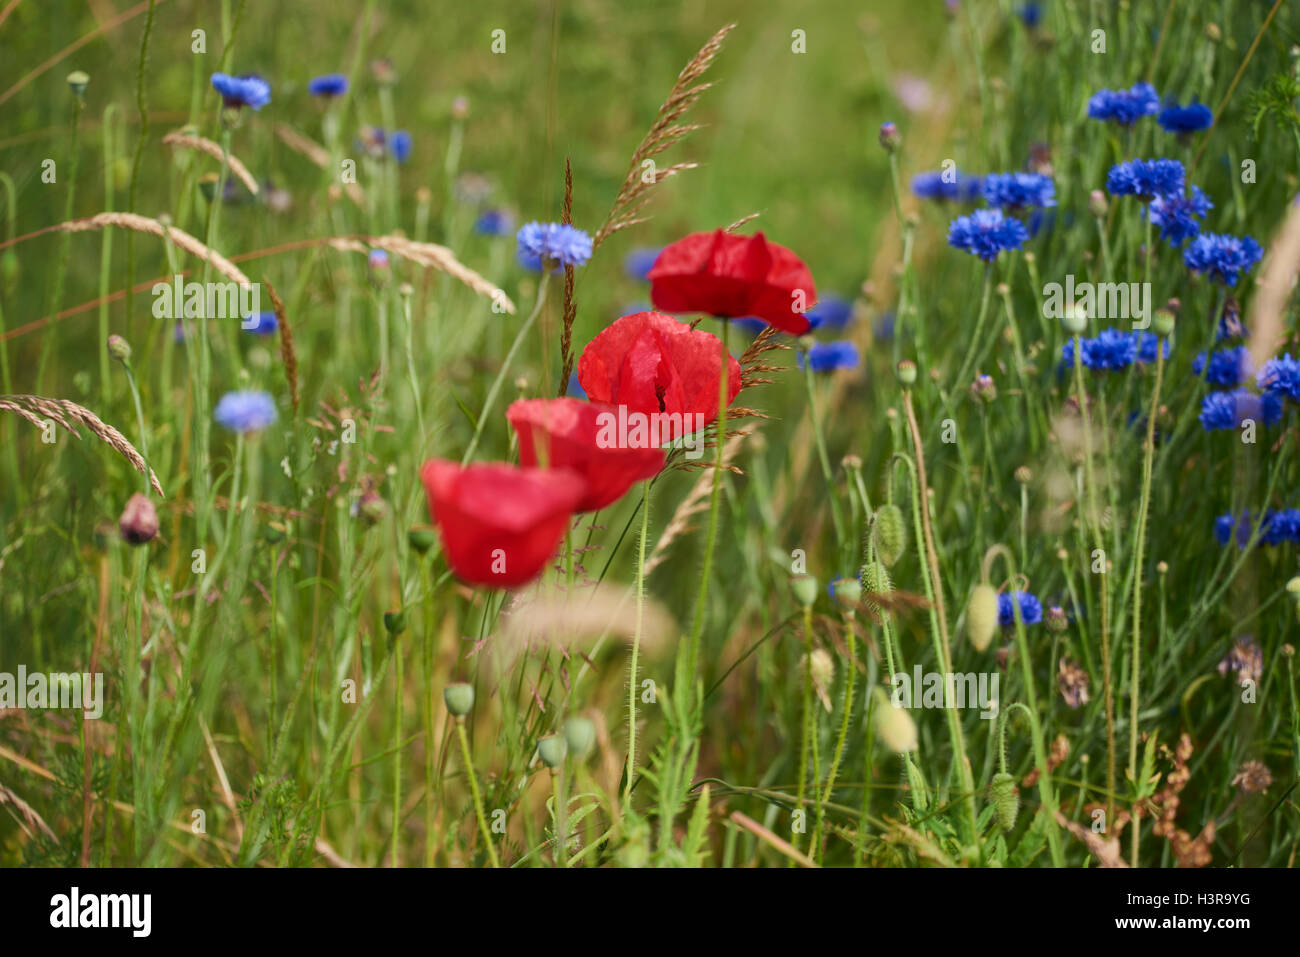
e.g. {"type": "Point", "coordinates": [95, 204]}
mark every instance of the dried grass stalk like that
{"type": "Point", "coordinates": [287, 353]}
{"type": "Point", "coordinates": [143, 224]}
{"type": "Point", "coordinates": [305, 146]}
{"type": "Point", "coordinates": [570, 304]}
{"type": "Point", "coordinates": [664, 133]}
{"type": "Point", "coordinates": [444, 260]}
{"type": "Point", "coordinates": [64, 413]}
{"type": "Point", "coordinates": [181, 140]}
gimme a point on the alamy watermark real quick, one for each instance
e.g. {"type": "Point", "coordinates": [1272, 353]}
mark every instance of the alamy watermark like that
{"type": "Point", "coordinates": [39, 691]}
{"type": "Point", "coordinates": [641, 430]}
{"type": "Point", "coordinates": [1103, 300]}
{"type": "Point", "coordinates": [935, 689]}
{"type": "Point", "coordinates": [208, 300]}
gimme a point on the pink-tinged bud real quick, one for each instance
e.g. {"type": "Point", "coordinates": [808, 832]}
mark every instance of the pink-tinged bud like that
{"type": "Point", "coordinates": [139, 521]}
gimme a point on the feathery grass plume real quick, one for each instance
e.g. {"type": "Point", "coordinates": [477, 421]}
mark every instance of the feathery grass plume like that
{"type": "Point", "coordinates": [287, 354]}
{"type": "Point", "coordinates": [889, 530]}
{"type": "Point", "coordinates": [570, 306]}
{"type": "Point", "coordinates": [31, 821]}
{"type": "Point", "coordinates": [982, 615]}
{"type": "Point", "coordinates": [1267, 328]}
{"type": "Point", "coordinates": [436, 257]}
{"type": "Point", "coordinates": [695, 502]}
{"type": "Point", "coordinates": [180, 139]}
{"type": "Point", "coordinates": [64, 412]}
{"type": "Point", "coordinates": [663, 133]}
{"type": "Point", "coordinates": [575, 619]}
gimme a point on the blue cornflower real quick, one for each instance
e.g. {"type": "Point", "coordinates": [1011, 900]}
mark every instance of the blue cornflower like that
{"type": "Point", "coordinates": [751, 324]}
{"type": "Point", "coordinates": [1019, 190]}
{"type": "Point", "coordinates": [1230, 326]}
{"type": "Point", "coordinates": [1191, 118]}
{"type": "Point", "coordinates": [554, 243]}
{"type": "Point", "coordinates": [575, 389]}
{"type": "Point", "coordinates": [1031, 14]}
{"type": "Point", "coordinates": [1281, 377]}
{"type": "Point", "coordinates": [831, 312]}
{"type": "Point", "coordinates": [1146, 179]}
{"type": "Point", "coordinates": [829, 356]}
{"type": "Point", "coordinates": [986, 232]}
{"type": "Point", "coordinates": [1145, 346]}
{"type": "Point", "coordinates": [1177, 215]}
{"type": "Point", "coordinates": [331, 84]}
{"type": "Point", "coordinates": [1111, 350]}
{"type": "Point", "coordinates": [247, 411]}
{"type": "Point", "coordinates": [261, 324]}
{"type": "Point", "coordinates": [1280, 526]}
{"type": "Point", "coordinates": [399, 144]}
{"type": "Point", "coordinates": [237, 91]}
{"type": "Point", "coordinates": [1031, 610]}
{"type": "Point", "coordinates": [1226, 525]}
{"type": "Point", "coordinates": [377, 259]}
{"type": "Point", "coordinates": [951, 186]}
{"type": "Point", "coordinates": [884, 327]}
{"type": "Point", "coordinates": [1228, 367]}
{"type": "Point", "coordinates": [1224, 257]}
{"type": "Point", "coordinates": [639, 261]}
{"type": "Point", "coordinates": [494, 222]}
{"type": "Point", "coordinates": [1125, 107]}
{"type": "Point", "coordinates": [1228, 410]}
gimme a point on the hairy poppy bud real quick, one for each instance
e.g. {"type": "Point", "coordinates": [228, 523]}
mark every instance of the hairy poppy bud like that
{"type": "Point", "coordinates": [551, 750]}
{"type": "Point", "coordinates": [889, 532]}
{"type": "Point", "coordinates": [894, 725]}
{"type": "Point", "coordinates": [804, 588]}
{"type": "Point", "coordinates": [459, 698]}
{"type": "Point", "coordinates": [139, 521]}
{"type": "Point", "coordinates": [394, 622]}
{"type": "Point", "coordinates": [421, 539]}
{"type": "Point", "coordinates": [1006, 799]}
{"type": "Point", "coordinates": [982, 615]}
{"type": "Point", "coordinates": [579, 736]}
{"type": "Point", "coordinates": [875, 581]}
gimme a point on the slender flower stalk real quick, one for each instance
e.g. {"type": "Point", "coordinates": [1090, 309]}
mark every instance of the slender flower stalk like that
{"type": "Point", "coordinates": [474, 792]}
{"type": "Point", "coordinates": [636, 640]}
{"type": "Point", "coordinates": [976, 345]}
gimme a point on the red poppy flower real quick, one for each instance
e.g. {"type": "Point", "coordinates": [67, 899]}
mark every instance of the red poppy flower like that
{"type": "Point", "coordinates": [585, 437]}
{"type": "Point", "coordinates": [723, 274]}
{"type": "Point", "coordinates": [499, 524]}
{"type": "Point", "coordinates": [653, 365]}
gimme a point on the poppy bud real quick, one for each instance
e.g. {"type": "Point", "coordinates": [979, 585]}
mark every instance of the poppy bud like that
{"type": "Point", "coordinates": [804, 588]}
{"type": "Point", "coordinates": [394, 622]}
{"type": "Point", "coordinates": [889, 532]}
{"type": "Point", "coordinates": [459, 698]}
{"type": "Point", "coordinates": [579, 736]}
{"type": "Point", "coordinates": [875, 581]}
{"type": "Point", "coordinates": [1097, 203]}
{"type": "Point", "coordinates": [1163, 323]}
{"type": "Point", "coordinates": [119, 348]}
{"type": "Point", "coordinates": [421, 539]}
{"type": "Point", "coordinates": [847, 591]}
{"type": "Point", "coordinates": [77, 81]}
{"type": "Point", "coordinates": [1074, 319]}
{"type": "Point", "coordinates": [139, 521]}
{"type": "Point", "coordinates": [894, 725]}
{"type": "Point", "coordinates": [551, 750]}
{"type": "Point", "coordinates": [1006, 799]}
{"type": "Point", "coordinates": [982, 615]}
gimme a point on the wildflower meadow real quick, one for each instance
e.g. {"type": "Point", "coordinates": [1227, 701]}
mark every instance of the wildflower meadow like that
{"type": "Point", "coordinates": [573, 434]}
